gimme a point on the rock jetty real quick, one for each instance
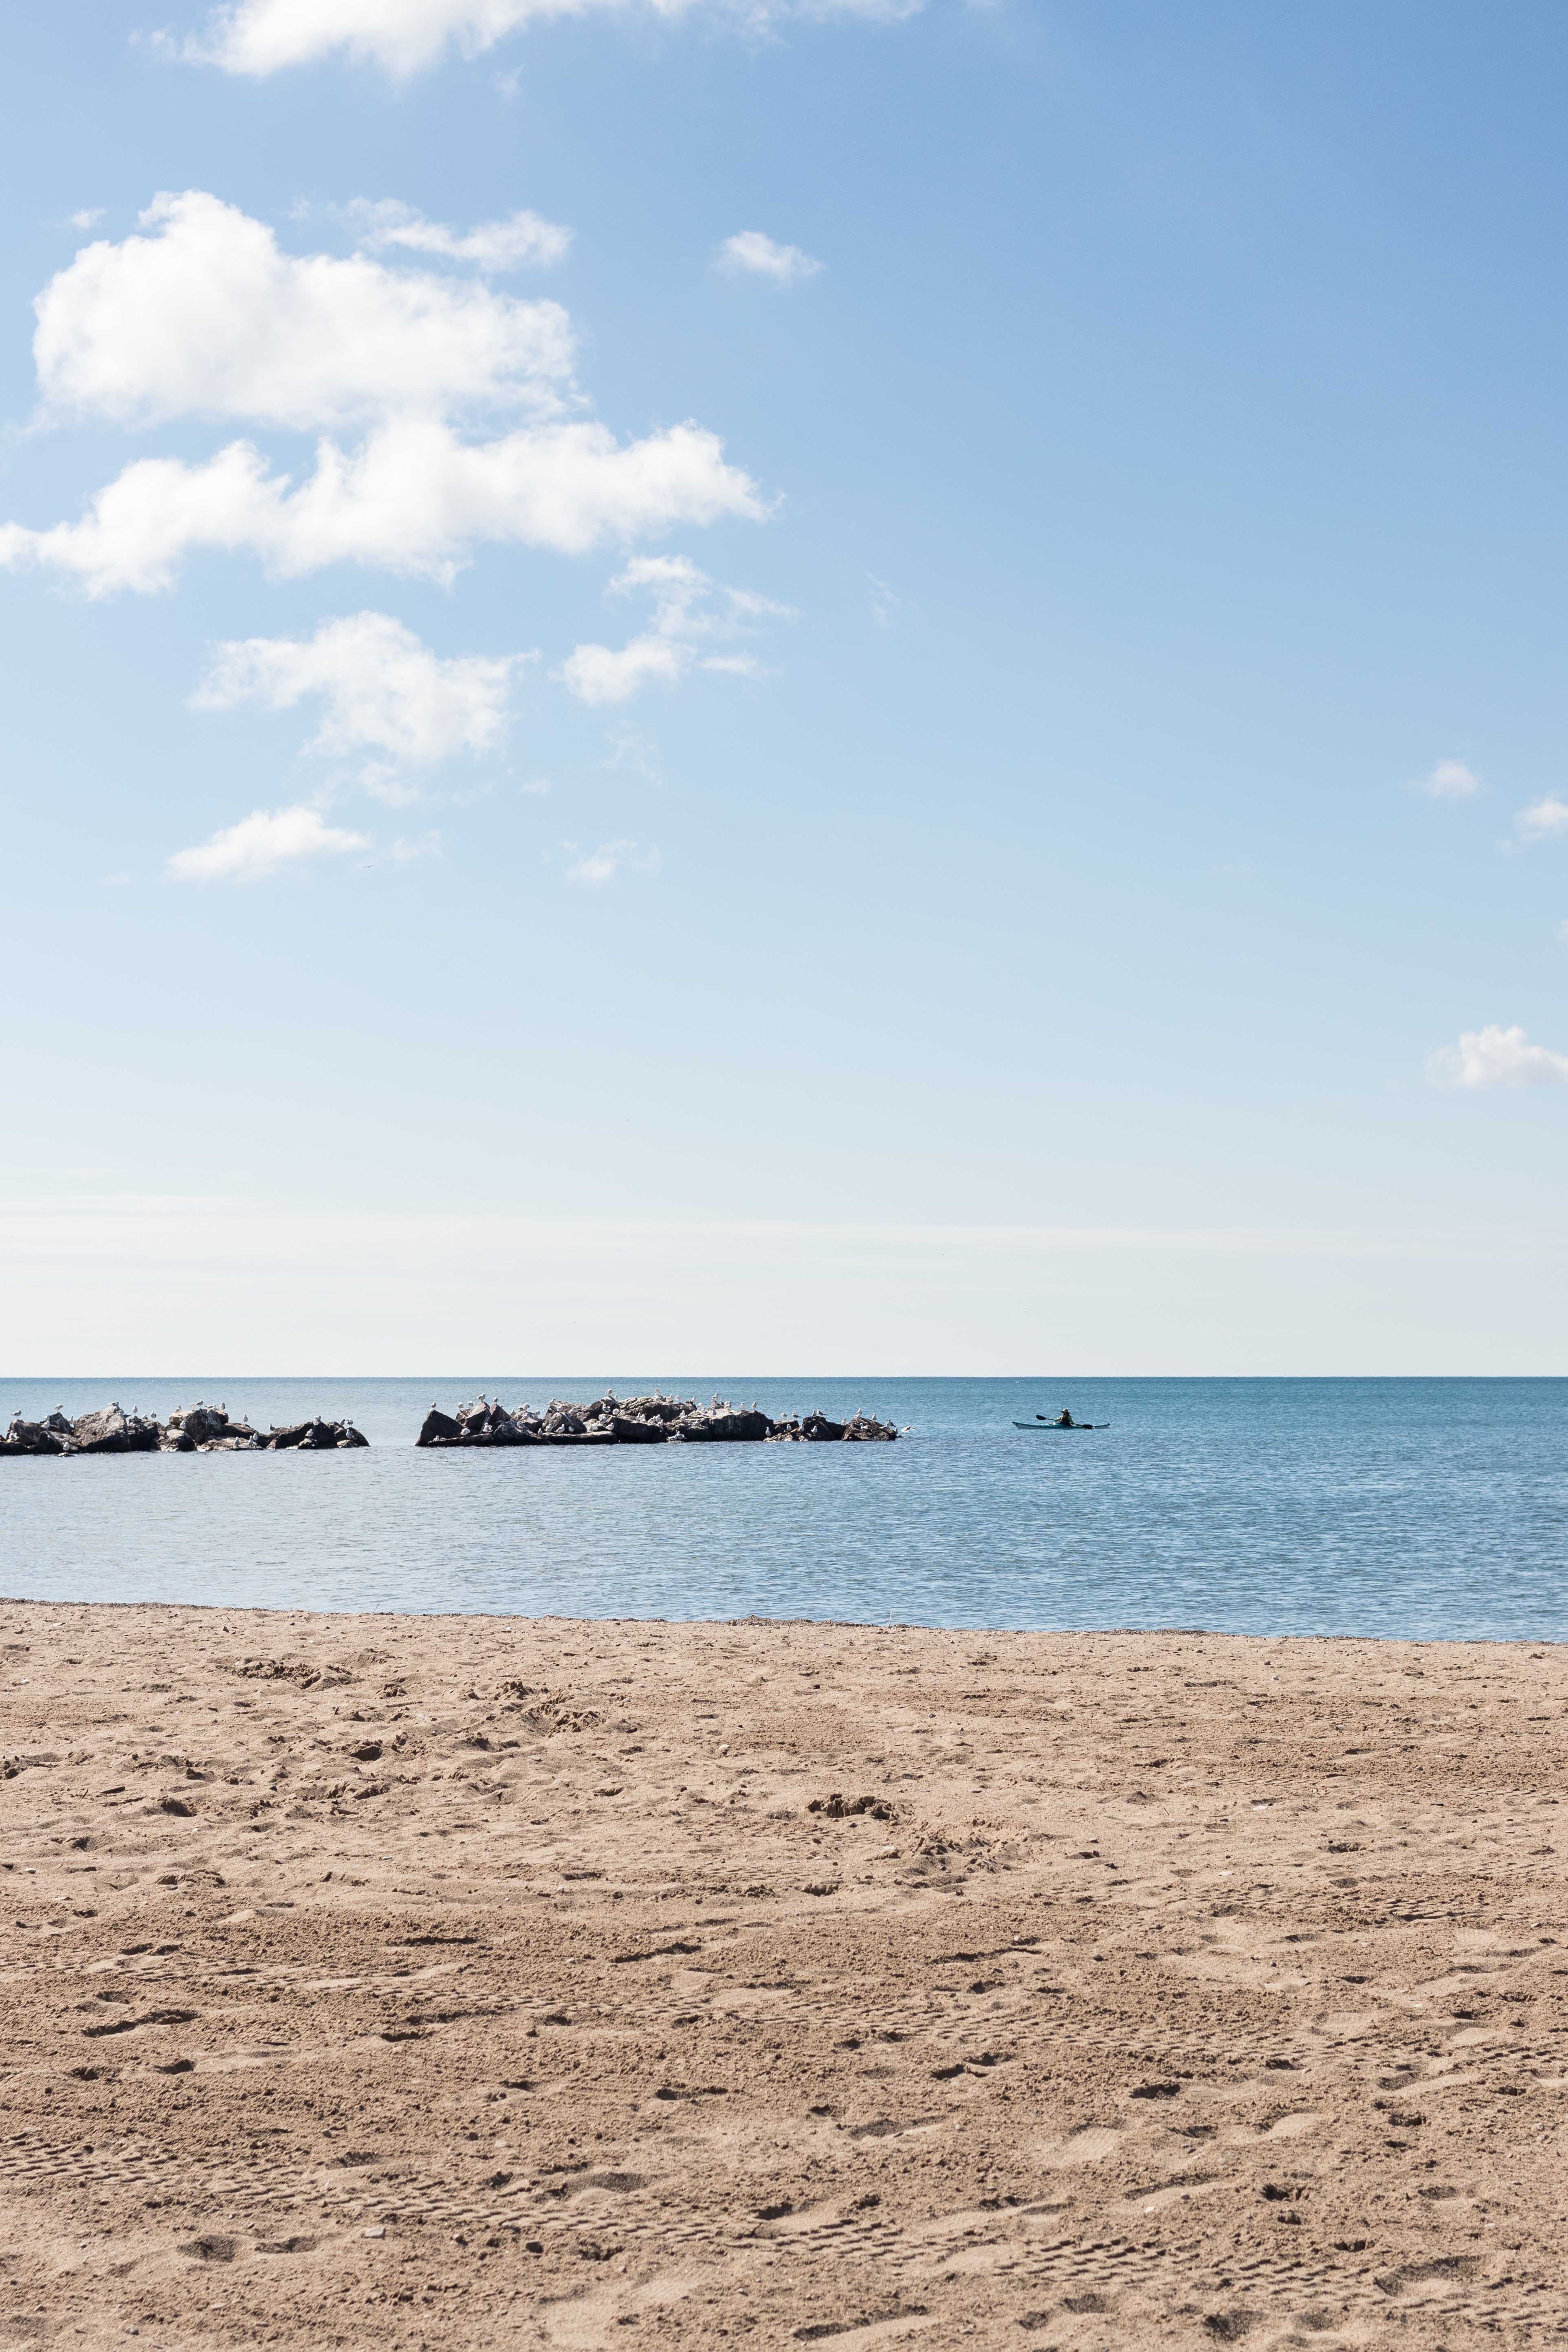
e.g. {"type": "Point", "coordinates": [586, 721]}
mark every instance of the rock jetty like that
{"type": "Point", "coordinates": [655, 1419]}
{"type": "Point", "coordinates": [198, 1428]}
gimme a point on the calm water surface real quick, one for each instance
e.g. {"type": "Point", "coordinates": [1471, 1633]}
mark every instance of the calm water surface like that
{"type": "Point", "coordinates": [1411, 1507]}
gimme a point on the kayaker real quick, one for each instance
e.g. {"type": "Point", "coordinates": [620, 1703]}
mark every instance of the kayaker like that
{"type": "Point", "coordinates": [1065, 1420]}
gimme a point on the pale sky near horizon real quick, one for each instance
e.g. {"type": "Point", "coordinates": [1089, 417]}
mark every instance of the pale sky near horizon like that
{"type": "Point", "coordinates": [839, 688]}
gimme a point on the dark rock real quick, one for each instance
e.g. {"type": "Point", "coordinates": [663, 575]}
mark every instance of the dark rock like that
{"type": "Point", "coordinates": [476, 1425]}
{"type": "Point", "coordinates": [107, 1432]}
{"type": "Point", "coordinates": [32, 1437]}
{"type": "Point", "coordinates": [661, 1408]}
{"type": "Point", "coordinates": [481, 1421]}
{"type": "Point", "coordinates": [638, 1421]}
{"type": "Point", "coordinates": [199, 1429]}
{"type": "Point", "coordinates": [201, 1422]}
{"type": "Point", "coordinates": [724, 1425]}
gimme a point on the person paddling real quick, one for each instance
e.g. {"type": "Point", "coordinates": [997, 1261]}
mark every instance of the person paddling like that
{"type": "Point", "coordinates": [1065, 1420]}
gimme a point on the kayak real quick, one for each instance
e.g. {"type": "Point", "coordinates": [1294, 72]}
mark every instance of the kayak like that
{"type": "Point", "coordinates": [1069, 1429]}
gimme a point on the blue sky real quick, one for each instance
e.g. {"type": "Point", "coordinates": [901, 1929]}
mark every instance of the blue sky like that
{"type": "Point", "coordinates": [875, 821]}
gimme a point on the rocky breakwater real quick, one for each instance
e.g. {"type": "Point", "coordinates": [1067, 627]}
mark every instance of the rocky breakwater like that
{"type": "Point", "coordinates": [655, 1419]}
{"type": "Point", "coordinates": [198, 1428]}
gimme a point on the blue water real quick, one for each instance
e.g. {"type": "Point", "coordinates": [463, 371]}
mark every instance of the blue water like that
{"type": "Point", "coordinates": [1408, 1507]}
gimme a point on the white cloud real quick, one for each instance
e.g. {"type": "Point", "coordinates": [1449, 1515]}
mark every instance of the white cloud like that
{"type": "Point", "coordinates": [750, 251]}
{"type": "Point", "coordinates": [631, 750]}
{"type": "Point", "coordinates": [1495, 1056]}
{"type": "Point", "coordinates": [384, 690]}
{"type": "Point", "coordinates": [1450, 779]}
{"type": "Point", "coordinates": [614, 674]}
{"type": "Point", "coordinates": [601, 865]}
{"type": "Point", "coordinates": [886, 602]}
{"type": "Point", "coordinates": [207, 316]}
{"type": "Point", "coordinates": [262, 37]}
{"type": "Point", "coordinates": [520, 241]}
{"type": "Point", "coordinates": [413, 497]}
{"type": "Point", "coordinates": [1542, 819]}
{"type": "Point", "coordinates": [263, 844]}
{"type": "Point", "coordinates": [689, 610]}
{"type": "Point", "coordinates": [89, 218]}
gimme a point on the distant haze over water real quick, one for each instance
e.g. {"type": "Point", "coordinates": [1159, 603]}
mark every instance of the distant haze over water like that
{"type": "Point", "coordinates": [1421, 1508]}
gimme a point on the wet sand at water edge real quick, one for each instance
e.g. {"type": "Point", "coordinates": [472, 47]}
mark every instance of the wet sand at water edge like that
{"type": "Point", "coordinates": [416, 1981]}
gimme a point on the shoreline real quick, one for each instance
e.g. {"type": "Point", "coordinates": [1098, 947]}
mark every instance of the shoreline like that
{"type": "Point", "coordinates": [476, 1617]}
{"type": "Point", "coordinates": [393, 1979]}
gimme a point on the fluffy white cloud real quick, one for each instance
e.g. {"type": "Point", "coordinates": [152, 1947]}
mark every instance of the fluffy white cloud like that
{"type": "Point", "coordinates": [207, 316]}
{"type": "Point", "coordinates": [1495, 1056]}
{"type": "Point", "coordinates": [690, 611]}
{"type": "Point", "coordinates": [1450, 779]}
{"type": "Point", "coordinates": [751, 252]}
{"type": "Point", "coordinates": [601, 865]}
{"type": "Point", "coordinates": [414, 498]}
{"type": "Point", "coordinates": [1543, 818]}
{"type": "Point", "coordinates": [385, 691]}
{"type": "Point", "coordinates": [614, 674]}
{"type": "Point", "coordinates": [520, 241]}
{"type": "Point", "coordinates": [261, 37]}
{"type": "Point", "coordinates": [262, 844]}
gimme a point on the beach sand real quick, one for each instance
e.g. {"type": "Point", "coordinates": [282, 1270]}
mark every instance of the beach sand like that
{"type": "Point", "coordinates": [393, 1981]}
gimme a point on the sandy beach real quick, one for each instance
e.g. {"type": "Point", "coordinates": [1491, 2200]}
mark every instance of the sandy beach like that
{"type": "Point", "coordinates": [392, 1980]}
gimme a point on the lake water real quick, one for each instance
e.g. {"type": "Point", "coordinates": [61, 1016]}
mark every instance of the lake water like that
{"type": "Point", "coordinates": [1409, 1508]}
